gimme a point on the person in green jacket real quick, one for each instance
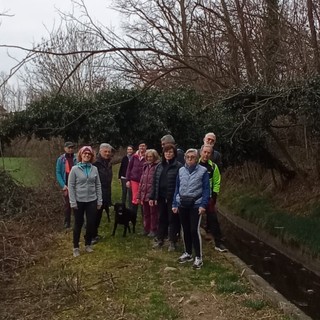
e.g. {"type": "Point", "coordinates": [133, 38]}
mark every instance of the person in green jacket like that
{"type": "Point", "coordinates": [215, 178]}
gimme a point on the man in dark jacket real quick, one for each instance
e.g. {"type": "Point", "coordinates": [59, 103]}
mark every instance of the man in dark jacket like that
{"type": "Point", "coordinates": [103, 163]}
{"type": "Point", "coordinates": [63, 167]}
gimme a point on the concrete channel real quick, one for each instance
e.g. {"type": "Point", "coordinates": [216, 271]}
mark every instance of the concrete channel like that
{"type": "Point", "coordinates": [286, 277]}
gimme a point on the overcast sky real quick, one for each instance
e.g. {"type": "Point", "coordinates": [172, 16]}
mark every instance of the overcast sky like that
{"type": "Point", "coordinates": [30, 18]}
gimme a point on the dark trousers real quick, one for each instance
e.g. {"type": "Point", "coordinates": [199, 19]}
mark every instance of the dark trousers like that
{"type": "Point", "coordinates": [168, 221]}
{"type": "Point", "coordinates": [190, 221]}
{"type": "Point", "coordinates": [67, 209]}
{"type": "Point", "coordinates": [126, 193]}
{"type": "Point", "coordinates": [90, 210]}
{"type": "Point", "coordinates": [213, 224]}
{"type": "Point", "coordinates": [105, 206]}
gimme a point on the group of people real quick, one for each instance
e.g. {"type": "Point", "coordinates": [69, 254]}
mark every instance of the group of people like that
{"type": "Point", "coordinates": [174, 191]}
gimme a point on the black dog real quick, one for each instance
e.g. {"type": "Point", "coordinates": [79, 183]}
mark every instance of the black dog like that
{"type": "Point", "coordinates": [123, 216]}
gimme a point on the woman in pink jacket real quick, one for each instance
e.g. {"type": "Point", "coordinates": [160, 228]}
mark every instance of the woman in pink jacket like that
{"type": "Point", "coordinates": [150, 214]}
{"type": "Point", "coordinates": [134, 172]}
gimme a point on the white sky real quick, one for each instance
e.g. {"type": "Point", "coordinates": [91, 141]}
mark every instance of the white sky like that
{"type": "Point", "coordinates": [31, 18]}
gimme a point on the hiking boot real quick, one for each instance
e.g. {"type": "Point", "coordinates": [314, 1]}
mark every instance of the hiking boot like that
{"type": "Point", "coordinates": [172, 247]}
{"type": "Point", "coordinates": [197, 263]}
{"type": "Point", "coordinates": [220, 247]}
{"type": "Point", "coordinates": [76, 252]}
{"type": "Point", "coordinates": [89, 249]}
{"type": "Point", "coordinates": [185, 257]}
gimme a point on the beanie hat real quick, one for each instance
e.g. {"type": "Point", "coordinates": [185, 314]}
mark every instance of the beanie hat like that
{"type": "Point", "coordinates": [86, 148]}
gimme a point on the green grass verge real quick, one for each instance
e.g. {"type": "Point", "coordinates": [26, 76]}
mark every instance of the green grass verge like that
{"type": "Point", "coordinates": [295, 230]}
{"type": "Point", "coordinates": [23, 170]}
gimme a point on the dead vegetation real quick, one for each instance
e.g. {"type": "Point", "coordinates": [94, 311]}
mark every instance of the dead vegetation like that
{"type": "Point", "coordinates": [28, 219]}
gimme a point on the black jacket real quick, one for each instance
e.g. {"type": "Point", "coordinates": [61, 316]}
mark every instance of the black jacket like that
{"type": "Point", "coordinates": [123, 167]}
{"type": "Point", "coordinates": [164, 182]}
{"type": "Point", "coordinates": [105, 174]}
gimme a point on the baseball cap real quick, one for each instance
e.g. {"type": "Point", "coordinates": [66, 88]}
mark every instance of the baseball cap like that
{"type": "Point", "coordinates": [69, 144]}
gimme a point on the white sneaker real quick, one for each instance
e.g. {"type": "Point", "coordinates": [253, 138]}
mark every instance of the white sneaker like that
{"type": "Point", "coordinates": [89, 248]}
{"type": "Point", "coordinates": [185, 257]}
{"type": "Point", "coordinates": [76, 252]}
{"type": "Point", "coordinates": [197, 263]}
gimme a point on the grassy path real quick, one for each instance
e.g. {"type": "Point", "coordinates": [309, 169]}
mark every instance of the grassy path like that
{"type": "Point", "coordinates": [125, 279]}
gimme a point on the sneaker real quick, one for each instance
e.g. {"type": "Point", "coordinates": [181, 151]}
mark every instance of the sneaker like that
{"type": "Point", "coordinates": [89, 248]}
{"type": "Point", "coordinates": [151, 234]}
{"type": "Point", "coordinates": [185, 257]}
{"type": "Point", "coordinates": [157, 245]}
{"type": "Point", "coordinates": [96, 239]}
{"type": "Point", "coordinates": [220, 247]}
{"type": "Point", "coordinates": [197, 263]}
{"type": "Point", "coordinates": [76, 252]}
{"type": "Point", "coordinates": [172, 247]}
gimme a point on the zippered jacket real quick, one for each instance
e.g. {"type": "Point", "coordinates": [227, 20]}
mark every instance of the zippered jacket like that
{"type": "Point", "coordinates": [214, 175]}
{"type": "Point", "coordinates": [134, 170]}
{"type": "Point", "coordinates": [164, 181]}
{"type": "Point", "coordinates": [62, 169]}
{"type": "Point", "coordinates": [192, 183]}
{"type": "Point", "coordinates": [146, 181]}
{"type": "Point", "coordinates": [105, 174]}
{"type": "Point", "coordinates": [84, 184]}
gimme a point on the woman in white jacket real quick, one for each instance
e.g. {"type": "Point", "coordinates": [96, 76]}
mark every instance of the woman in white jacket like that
{"type": "Point", "coordinates": [85, 197]}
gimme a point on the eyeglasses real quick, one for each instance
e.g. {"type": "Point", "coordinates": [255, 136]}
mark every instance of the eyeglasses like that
{"type": "Point", "coordinates": [190, 157]}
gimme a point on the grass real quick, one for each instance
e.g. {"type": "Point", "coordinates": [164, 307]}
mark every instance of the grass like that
{"type": "Point", "coordinates": [125, 279]}
{"type": "Point", "coordinates": [294, 229]}
{"type": "Point", "coordinates": [23, 170]}
{"type": "Point", "coordinates": [255, 304]}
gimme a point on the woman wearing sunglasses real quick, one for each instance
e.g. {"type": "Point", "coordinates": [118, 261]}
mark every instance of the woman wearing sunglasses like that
{"type": "Point", "coordinates": [85, 197]}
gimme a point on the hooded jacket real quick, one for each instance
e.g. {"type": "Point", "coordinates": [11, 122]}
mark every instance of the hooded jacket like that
{"type": "Point", "coordinates": [84, 184]}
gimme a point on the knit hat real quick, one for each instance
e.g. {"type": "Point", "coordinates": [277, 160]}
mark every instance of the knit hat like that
{"type": "Point", "coordinates": [86, 149]}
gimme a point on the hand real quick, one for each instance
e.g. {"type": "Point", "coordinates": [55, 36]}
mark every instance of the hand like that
{"type": "Point", "coordinates": [151, 203]}
{"type": "Point", "coordinates": [202, 211]}
{"type": "Point", "coordinates": [175, 210]}
{"type": "Point", "coordinates": [75, 207]}
{"type": "Point", "coordinates": [128, 184]}
{"type": "Point", "coordinates": [99, 206]}
{"type": "Point", "coordinates": [65, 188]}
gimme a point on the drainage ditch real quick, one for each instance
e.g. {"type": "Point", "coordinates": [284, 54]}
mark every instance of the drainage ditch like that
{"type": "Point", "coordinates": [295, 282]}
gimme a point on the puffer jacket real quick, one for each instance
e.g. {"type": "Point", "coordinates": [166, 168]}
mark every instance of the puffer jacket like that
{"type": "Point", "coordinates": [194, 183]}
{"type": "Point", "coordinates": [145, 186]}
{"type": "Point", "coordinates": [164, 181]}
